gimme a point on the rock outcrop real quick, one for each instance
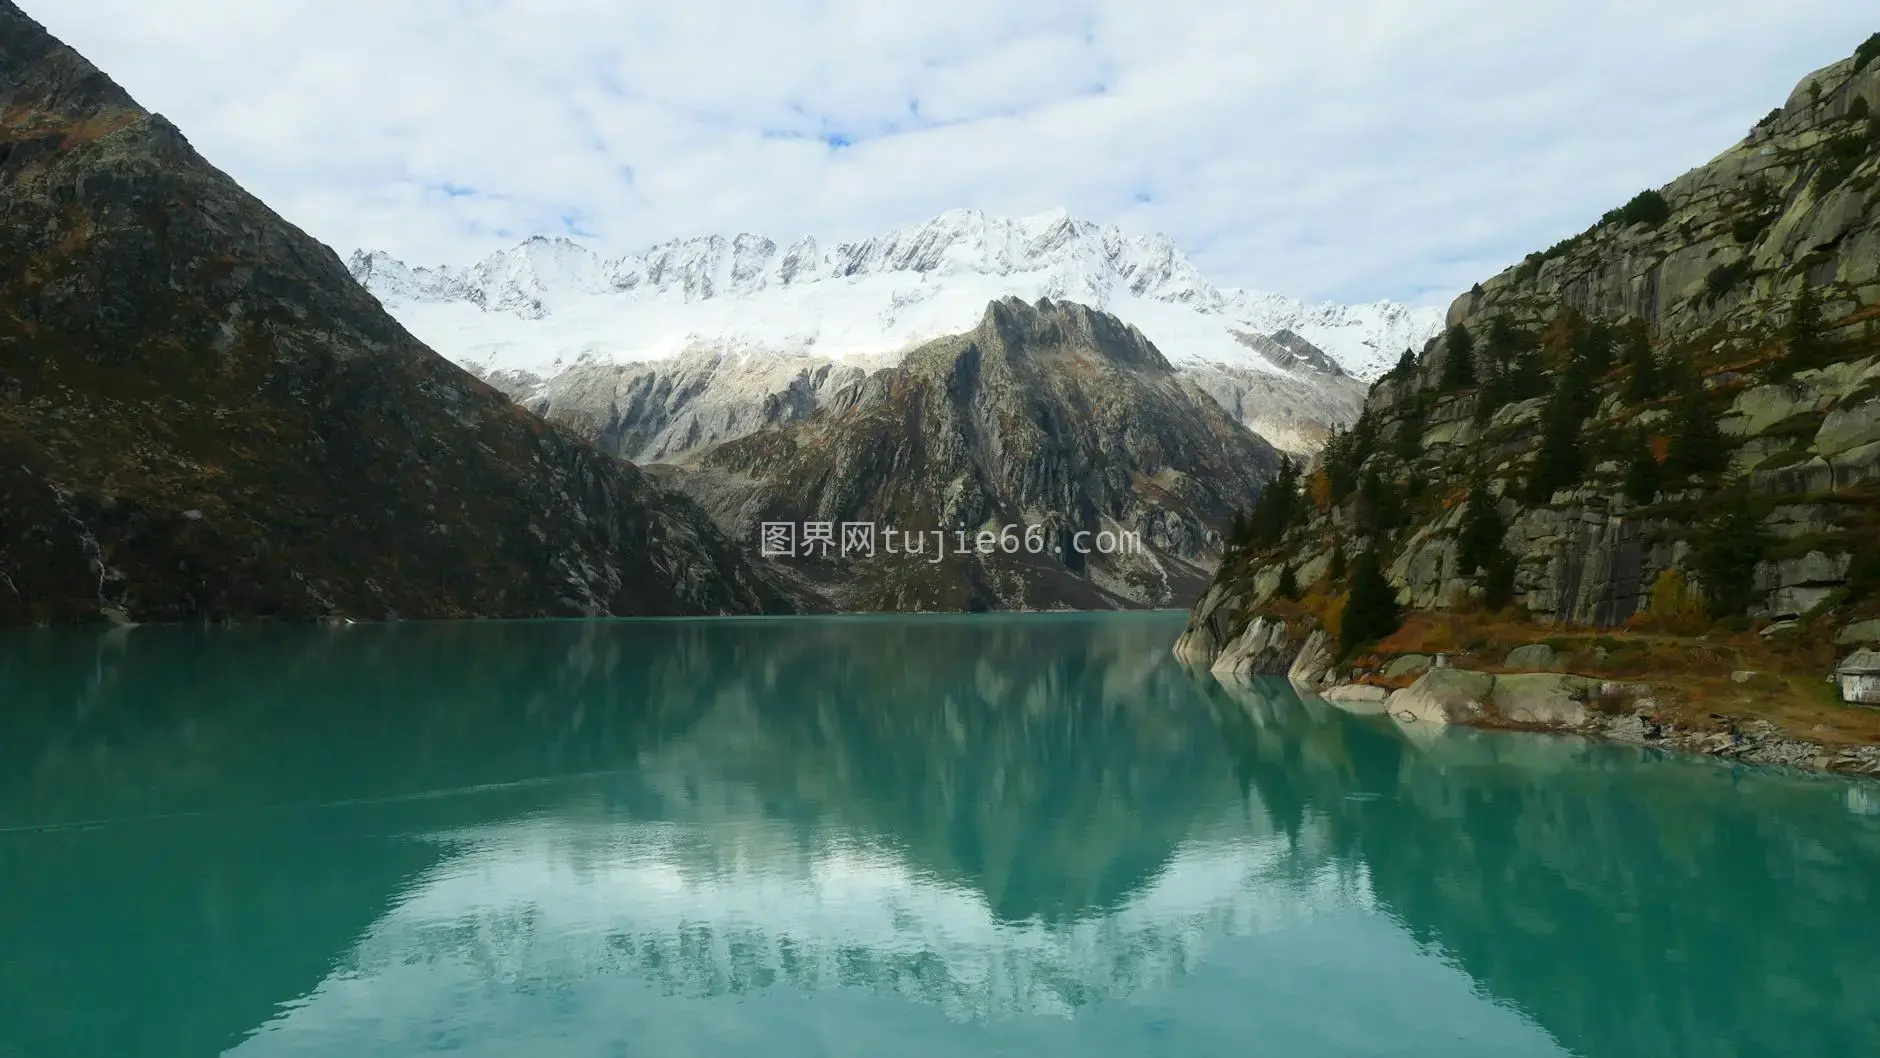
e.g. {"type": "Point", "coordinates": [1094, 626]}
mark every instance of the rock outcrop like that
{"type": "Point", "coordinates": [1676, 410]}
{"type": "Point", "coordinates": [1103, 477]}
{"type": "Point", "coordinates": [202, 416]}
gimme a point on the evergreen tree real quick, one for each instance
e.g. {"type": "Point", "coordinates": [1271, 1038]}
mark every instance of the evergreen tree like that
{"type": "Point", "coordinates": [1380, 509]}
{"type": "Point", "coordinates": [1409, 441]}
{"type": "Point", "coordinates": [1592, 346]}
{"type": "Point", "coordinates": [1239, 534]}
{"type": "Point", "coordinates": [1642, 382]}
{"type": "Point", "coordinates": [1337, 567]}
{"type": "Point", "coordinates": [1345, 453]}
{"type": "Point", "coordinates": [1458, 358]}
{"type": "Point", "coordinates": [1279, 501]}
{"type": "Point", "coordinates": [1530, 377]}
{"type": "Point", "coordinates": [1501, 345]}
{"type": "Point", "coordinates": [1575, 382]}
{"type": "Point", "coordinates": [1371, 610]}
{"type": "Point", "coordinates": [1558, 463]}
{"type": "Point", "coordinates": [1641, 471]}
{"type": "Point", "coordinates": [1729, 546]}
{"type": "Point", "coordinates": [1406, 365]}
{"type": "Point", "coordinates": [1480, 538]}
{"type": "Point", "coordinates": [1335, 460]}
{"type": "Point", "coordinates": [1288, 583]}
{"type": "Point", "coordinates": [1697, 446]}
{"type": "Point", "coordinates": [1801, 335]}
{"type": "Point", "coordinates": [1498, 583]}
{"type": "Point", "coordinates": [1499, 579]}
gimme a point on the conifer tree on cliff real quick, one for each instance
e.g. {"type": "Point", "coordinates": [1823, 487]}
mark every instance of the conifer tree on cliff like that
{"type": "Point", "coordinates": [1641, 471]}
{"type": "Point", "coordinates": [1697, 445]}
{"type": "Point", "coordinates": [1801, 335]}
{"type": "Point", "coordinates": [1458, 358]}
{"type": "Point", "coordinates": [1371, 610]}
{"type": "Point", "coordinates": [1279, 501]}
{"type": "Point", "coordinates": [1642, 379]}
{"type": "Point", "coordinates": [1480, 538]}
{"type": "Point", "coordinates": [1288, 583]}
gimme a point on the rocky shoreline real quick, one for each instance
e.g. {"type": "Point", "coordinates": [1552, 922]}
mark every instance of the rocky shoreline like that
{"type": "Point", "coordinates": [1424, 691]}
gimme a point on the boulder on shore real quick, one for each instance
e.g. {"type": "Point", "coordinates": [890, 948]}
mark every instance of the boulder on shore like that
{"type": "Point", "coordinates": [1534, 657]}
{"type": "Point", "coordinates": [1443, 696]}
{"type": "Point", "coordinates": [1551, 698]}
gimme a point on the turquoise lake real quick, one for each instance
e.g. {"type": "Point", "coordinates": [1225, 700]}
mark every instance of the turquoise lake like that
{"type": "Point", "coordinates": [985, 835]}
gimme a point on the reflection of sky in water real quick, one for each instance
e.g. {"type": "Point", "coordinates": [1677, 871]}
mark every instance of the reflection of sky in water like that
{"type": "Point", "coordinates": [555, 928]}
{"type": "Point", "coordinates": [1031, 836]}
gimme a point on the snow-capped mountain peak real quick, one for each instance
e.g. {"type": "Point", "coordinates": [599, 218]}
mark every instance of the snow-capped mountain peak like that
{"type": "Point", "coordinates": [870, 296]}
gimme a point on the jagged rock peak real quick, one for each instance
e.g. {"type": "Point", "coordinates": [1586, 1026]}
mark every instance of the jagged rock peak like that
{"type": "Point", "coordinates": [1052, 326]}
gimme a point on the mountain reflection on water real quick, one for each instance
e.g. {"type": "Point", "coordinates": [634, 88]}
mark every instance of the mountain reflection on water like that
{"type": "Point", "coordinates": [836, 835]}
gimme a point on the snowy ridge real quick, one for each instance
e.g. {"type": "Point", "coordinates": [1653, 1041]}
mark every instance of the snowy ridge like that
{"type": "Point", "coordinates": [549, 304]}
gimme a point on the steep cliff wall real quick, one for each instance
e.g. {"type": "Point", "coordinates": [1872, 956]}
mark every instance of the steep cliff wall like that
{"type": "Point", "coordinates": [1670, 419]}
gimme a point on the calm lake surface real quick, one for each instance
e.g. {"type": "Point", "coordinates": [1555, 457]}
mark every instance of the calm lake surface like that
{"type": "Point", "coordinates": [988, 835]}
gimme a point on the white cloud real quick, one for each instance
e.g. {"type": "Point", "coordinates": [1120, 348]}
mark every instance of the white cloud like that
{"type": "Point", "coordinates": [1355, 149]}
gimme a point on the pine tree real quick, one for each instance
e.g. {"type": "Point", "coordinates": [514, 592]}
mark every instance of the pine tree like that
{"type": "Point", "coordinates": [1458, 358]}
{"type": "Point", "coordinates": [1530, 377]}
{"type": "Point", "coordinates": [1491, 397]}
{"type": "Point", "coordinates": [1335, 461]}
{"type": "Point", "coordinates": [1345, 452]}
{"type": "Point", "coordinates": [1336, 571]}
{"type": "Point", "coordinates": [1480, 537]}
{"type": "Point", "coordinates": [1729, 546]}
{"type": "Point", "coordinates": [1558, 463]}
{"type": "Point", "coordinates": [1371, 610]}
{"type": "Point", "coordinates": [1409, 440]}
{"type": "Point", "coordinates": [1641, 471]}
{"type": "Point", "coordinates": [1288, 583]}
{"type": "Point", "coordinates": [1279, 501]}
{"type": "Point", "coordinates": [1592, 346]}
{"type": "Point", "coordinates": [1501, 345]}
{"type": "Point", "coordinates": [1498, 582]}
{"type": "Point", "coordinates": [1380, 509]}
{"type": "Point", "coordinates": [1406, 365]}
{"type": "Point", "coordinates": [1801, 335]}
{"type": "Point", "coordinates": [1697, 446]}
{"type": "Point", "coordinates": [1642, 383]}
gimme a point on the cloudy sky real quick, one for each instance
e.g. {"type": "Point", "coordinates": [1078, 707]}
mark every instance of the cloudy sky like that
{"type": "Point", "coordinates": [1348, 149]}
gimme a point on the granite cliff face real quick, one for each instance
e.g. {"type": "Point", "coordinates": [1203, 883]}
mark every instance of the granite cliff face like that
{"type": "Point", "coordinates": [1671, 417]}
{"type": "Point", "coordinates": [1048, 415]}
{"type": "Point", "coordinates": [203, 416]}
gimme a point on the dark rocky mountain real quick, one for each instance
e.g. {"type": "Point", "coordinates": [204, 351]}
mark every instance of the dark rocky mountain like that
{"type": "Point", "coordinates": [1049, 415]}
{"type": "Point", "coordinates": [1670, 418]}
{"type": "Point", "coordinates": [203, 416]}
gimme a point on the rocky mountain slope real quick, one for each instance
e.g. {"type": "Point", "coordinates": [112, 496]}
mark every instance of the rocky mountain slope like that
{"type": "Point", "coordinates": [203, 416]}
{"type": "Point", "coordinates": [659, 354]}
{"type": "Point", "coordinates": [1052, 418]}
{"type": "Point", "coordinates": [1669, 422]}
